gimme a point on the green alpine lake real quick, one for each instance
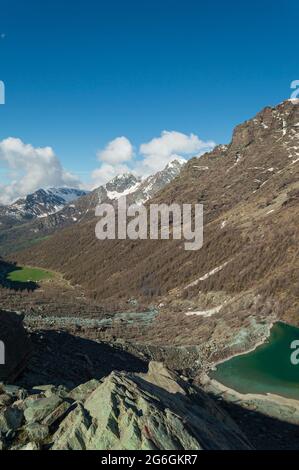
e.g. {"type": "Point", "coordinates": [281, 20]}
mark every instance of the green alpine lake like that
{"type": "Point", "coordinates": [267, 369]}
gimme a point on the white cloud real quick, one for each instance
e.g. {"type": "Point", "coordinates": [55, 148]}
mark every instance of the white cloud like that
{"type": "Point", "coordinates": [117, 151]}
{"type": "Point", "coordinates": [170, 145]}
{"type": "Point", "coordinates": [107, 172]}
{"type": "Point", "coordinates": [113, 159]}
{"type": "Point", "coordinates": [30, 168]}
{"type": "Point", "coordinates": [118, 156]}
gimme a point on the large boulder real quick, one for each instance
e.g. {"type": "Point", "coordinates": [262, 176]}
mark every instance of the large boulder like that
{"type": "Point", "coordinates": [15, 347]}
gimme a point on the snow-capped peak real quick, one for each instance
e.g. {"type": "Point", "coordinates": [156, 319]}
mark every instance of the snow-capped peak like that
{"type": "Point", "coordinates": [140, 189]}
{"type": "Point", "coordinates": [42, 203]}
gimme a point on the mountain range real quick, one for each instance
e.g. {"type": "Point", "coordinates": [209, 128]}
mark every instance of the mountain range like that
{"type": "Point", "coordinates": [39, 214]}
{"type": "Point", "coordinates": [41, 203]}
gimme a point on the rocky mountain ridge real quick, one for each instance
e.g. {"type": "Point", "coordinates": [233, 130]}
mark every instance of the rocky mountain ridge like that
{"type": "Point", "coordinates": [41, 203]}
{"type": "Point", "coordinates": [137, 190]}
{"type": "Point", "coordinates": [123, 411]}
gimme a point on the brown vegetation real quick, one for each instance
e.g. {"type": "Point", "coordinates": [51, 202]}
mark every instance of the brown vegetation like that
{"type": "Point", "coordinates": [250, 197]}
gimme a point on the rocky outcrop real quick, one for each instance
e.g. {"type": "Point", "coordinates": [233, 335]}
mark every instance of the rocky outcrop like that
{"type": "Point", "coordinates": [15, 346]}
{"type": "Point", "coordinates": [124, 411]}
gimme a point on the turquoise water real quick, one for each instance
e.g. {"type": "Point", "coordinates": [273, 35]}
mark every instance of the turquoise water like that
{"type": "Point", "coordinates": [268, 369]}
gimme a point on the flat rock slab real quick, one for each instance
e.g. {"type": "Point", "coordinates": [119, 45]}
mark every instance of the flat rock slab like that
{"type": "Point", "coordinates": [10, 419]}
{"type": "Point", "coordinates": [41, 408]}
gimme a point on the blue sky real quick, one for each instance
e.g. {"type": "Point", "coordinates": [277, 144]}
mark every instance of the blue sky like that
{"type": "Point", "coordinates": [80, 74]}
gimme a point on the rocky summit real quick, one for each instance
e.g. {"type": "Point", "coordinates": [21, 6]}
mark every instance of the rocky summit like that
{"type": "Point", "coordinates": [123, 411]}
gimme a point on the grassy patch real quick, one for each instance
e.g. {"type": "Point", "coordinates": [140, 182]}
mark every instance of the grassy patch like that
{"type": "Point", "coordinates": [26, 274]}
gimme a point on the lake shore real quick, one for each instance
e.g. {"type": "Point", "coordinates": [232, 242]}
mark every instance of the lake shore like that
{"type": "Point", "coordinates": [275, 406]}
{"type": "Point", "coordinates": [271, 404]}
{"type": "Point", "coordinates": [247, 350]}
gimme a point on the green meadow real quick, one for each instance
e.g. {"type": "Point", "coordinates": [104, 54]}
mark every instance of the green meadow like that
{"type": "Point", "coordinates": [27, 274]}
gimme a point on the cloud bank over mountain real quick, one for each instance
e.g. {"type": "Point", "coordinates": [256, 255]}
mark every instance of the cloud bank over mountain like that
{"type": "Point", "coordinates": [28, 168]}
{"type": "Point", "coordinates": [119, 155]}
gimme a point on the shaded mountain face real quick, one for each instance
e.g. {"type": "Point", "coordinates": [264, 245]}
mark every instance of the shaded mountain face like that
{"type": "Point", "coordinates": [248, 267]}
{"type": "Point", "coordinates": [44, 212]}
{"type": "Point", "coordinates": [15, 347]}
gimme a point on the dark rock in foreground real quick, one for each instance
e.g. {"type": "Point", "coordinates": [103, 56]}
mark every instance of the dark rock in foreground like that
{"type": "Point", "coordinates": [15, 347]}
